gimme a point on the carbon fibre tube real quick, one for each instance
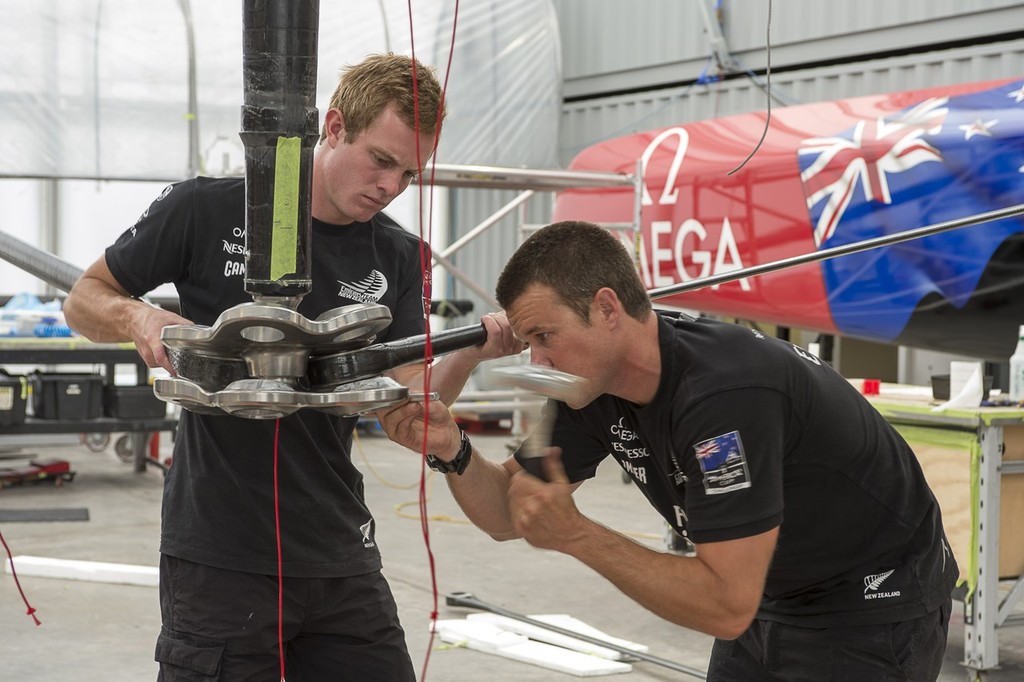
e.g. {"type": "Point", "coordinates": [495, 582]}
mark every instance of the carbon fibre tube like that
{"type": "Point", "coordinates": [44, 265]}
{"type": "Point", "coordinates": [279, 131]}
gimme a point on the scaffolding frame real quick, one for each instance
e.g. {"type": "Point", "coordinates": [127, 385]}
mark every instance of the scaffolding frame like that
{"type": "Point", "coordinates": [528, 181]}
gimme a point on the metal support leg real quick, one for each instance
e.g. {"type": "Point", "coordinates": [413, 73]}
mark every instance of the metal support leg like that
{"type": "Point", "coordinates": [140, 447]}
{"type": "Point", "coordinates": [981, 611]}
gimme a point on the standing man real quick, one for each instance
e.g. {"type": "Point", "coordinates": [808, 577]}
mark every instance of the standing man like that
{"type": "Point", "coordinates": [218, 566]}
{"type": "Point", "coordinates": [820, 553]}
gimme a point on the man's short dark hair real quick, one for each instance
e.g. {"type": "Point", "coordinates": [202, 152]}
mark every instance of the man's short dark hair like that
{"type": "Point", "coordinates": [575, 259]}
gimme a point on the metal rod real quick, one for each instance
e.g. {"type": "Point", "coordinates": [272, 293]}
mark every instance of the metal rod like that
{"type": "Point", "coordinates": [465, 279]}
{"type": "Point", "coordinates": [469, 600]}
{"type": "Point", "coordinates": [498, 177]}
{"type": "Point", "coordinates": [836, 251]}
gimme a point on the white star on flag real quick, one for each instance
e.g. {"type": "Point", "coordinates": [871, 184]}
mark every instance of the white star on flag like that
{"type": "Point", "coordinates": [979, 127]}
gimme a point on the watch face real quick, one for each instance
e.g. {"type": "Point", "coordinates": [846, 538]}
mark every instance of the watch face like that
{"type": "Point", "coordinates": [439, 464]}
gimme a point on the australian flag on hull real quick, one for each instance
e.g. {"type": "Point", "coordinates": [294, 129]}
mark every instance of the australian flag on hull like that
{"type": "Point", "coordinates": [938, 159]}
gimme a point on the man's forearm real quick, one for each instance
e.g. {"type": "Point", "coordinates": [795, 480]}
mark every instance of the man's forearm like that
{"type": "Point", "coordinates": [481, 492]}
{"type": "Point", "coordinates": [98, 312]}
{"type": "Point", "coordinates": [450, 374]}
{"type": "Point", "coordinates": [686, 590]}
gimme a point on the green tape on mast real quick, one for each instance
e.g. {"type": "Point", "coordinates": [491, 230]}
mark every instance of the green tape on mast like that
{"type": "Point", "coordinates": [284, 239]}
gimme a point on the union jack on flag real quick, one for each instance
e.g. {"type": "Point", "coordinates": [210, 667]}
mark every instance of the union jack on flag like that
{"type": "Point", "coordinates": [864, 159]}
{"type": "Point", "coordinates": [706, 449]}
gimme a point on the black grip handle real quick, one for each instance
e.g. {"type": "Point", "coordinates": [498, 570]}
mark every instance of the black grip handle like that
{"type": "Point", "coordinates": [414, 348]}
{"type": "Point", "coordinates": [342, 368]}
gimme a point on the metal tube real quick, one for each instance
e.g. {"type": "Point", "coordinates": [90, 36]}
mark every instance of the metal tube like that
{"type": "Point", "coordinates": [836, 251]}
{"type": "Point", "coordinates": [500, 177]}
{"type": "Point", "coordinates": [194, 163]}
{"type": "Point", "coordinates": [486, 224]}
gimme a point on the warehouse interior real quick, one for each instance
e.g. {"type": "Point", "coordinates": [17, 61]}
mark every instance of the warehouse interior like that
{"type": "Point", "coordinates": [557, 110]}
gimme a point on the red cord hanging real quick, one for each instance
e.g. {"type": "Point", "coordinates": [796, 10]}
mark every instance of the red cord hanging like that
{"type": "Point", "coordinates": [280, 567]}
{"type": "Point", "coordinates": [425, 267]}
{"type": "Point", "coordinates": [31, 610]}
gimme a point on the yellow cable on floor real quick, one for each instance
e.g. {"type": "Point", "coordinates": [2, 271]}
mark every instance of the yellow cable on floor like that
{"type": "Point", "coordinates": [442, 518]}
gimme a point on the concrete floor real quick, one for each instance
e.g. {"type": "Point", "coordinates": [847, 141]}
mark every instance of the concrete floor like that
{"type": "Point", "coordinates": [94, 632]}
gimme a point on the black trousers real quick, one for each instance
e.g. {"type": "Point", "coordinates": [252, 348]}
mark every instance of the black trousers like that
{"type": "Point", "coordinates": [908, 651]}
{"type": "Point", "coordinates": [223, 625]}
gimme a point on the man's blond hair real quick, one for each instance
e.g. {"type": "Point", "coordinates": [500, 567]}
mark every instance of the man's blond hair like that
{"type": "Point", "coordinates": [366, 89]}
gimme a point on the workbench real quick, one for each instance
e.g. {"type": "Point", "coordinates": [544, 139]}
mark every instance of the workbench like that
{"type": "Point", "coordinates": [79, 351]}
{"type": "Point", "coordinates": [973, 460]}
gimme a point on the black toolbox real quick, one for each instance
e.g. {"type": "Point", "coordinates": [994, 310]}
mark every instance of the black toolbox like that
{"type": "Point", "coordinates": [132, 402]}
{"type": "Point", "coordinates": [13, 399]}
{"type": "Point", "coordinates": [61, 395]}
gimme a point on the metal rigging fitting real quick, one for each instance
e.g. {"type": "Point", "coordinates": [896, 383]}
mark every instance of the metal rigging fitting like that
{"type": "Point", "coordinates": [273, 398]}
{"type": "Point", "coordinates": [265, 362]}
{"type": "Point", "coordinates": [275, 342]}
{"type": "Point", "coordinates": [252, 361]}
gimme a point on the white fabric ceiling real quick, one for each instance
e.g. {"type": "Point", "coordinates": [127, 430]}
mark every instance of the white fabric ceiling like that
{"type": "Point", "coordinates": [100, 88]}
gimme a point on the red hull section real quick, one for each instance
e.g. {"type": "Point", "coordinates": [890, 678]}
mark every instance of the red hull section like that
{"type": "Point", "coordinates": [698, 220]}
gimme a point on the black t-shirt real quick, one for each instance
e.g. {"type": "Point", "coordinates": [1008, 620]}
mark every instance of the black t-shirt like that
{"type": "Point", "coordinates": [746, 433]}
{"type": "Point", "coordinates": [218, 505]}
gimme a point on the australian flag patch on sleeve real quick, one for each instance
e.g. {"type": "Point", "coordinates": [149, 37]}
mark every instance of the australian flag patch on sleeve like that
{"type": "Point", "coordinates": [723, 463]}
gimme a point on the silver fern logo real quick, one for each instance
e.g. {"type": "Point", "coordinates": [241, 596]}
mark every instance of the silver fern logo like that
{"type": "Point", "coordinates": [873, 582]}
{"type": "Point", "coordinates": [367, 290]}
{"type": "Point", "coordinates": [367, 530]}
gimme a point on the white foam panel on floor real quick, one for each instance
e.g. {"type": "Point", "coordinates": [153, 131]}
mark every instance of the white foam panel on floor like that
{"type": "Point", "coordinates": [565, 622]}
{"type": "Point", "coordinates": [488, 638]}
{"type": "Point", "coordinates": [89, 571]}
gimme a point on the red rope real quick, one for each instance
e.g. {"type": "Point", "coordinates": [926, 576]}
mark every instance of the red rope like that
{"type": "Point", "coordinates": [425, 268]}
{"type": "Point", "coordinates": [31, 611]}
{"type": "Point", "coordinates": [277, 533]}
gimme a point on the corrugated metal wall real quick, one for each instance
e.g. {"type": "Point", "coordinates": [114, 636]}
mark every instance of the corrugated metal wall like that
{"type": "Point", "coordinates": [610, 45]}
{"type": "Point", "coordinates": [631, 66]}
{"type": "Point", "coordinates": [586, 122]}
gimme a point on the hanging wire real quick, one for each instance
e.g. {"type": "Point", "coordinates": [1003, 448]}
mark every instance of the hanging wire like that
{"type": "Point", "coordinates": [768, 89]}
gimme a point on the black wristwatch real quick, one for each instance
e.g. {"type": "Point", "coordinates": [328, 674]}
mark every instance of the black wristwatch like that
{"type": "Point", "coordinates": [458, 464]}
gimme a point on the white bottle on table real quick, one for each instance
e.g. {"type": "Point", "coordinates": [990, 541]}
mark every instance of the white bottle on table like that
{"type": "Point", "coordinates": [1017, 369]}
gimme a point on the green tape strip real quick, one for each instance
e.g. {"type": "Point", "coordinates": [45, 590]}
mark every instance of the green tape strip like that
{"type": "Point", "coordinates": [284, 239]}
{"type": "Point", "coordinates": [985, 415]}
{"type": "Point", "coordinates": [947, 438]}
{"type": "Point", "coordinates": [972, 559]}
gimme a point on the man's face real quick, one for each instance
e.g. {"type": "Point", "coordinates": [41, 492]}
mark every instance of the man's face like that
{"type": "Point", "coordinates": [559, 339]}
{"type": "Point", "coordinates": [363, 176]}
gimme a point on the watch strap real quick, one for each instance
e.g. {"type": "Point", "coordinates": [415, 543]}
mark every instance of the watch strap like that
{"type": "Point", "coordinates": [458, 463]}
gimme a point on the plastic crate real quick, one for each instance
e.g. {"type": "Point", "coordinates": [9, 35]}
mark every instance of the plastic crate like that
{"type": "Point", "coordinates": [132, 402]}
{"type": "Point", "coordinates": [67, 396]}
{"type": "Point", "coordinates": [13, 399]}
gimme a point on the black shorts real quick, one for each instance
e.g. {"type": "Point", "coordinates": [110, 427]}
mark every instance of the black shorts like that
{"type": "Point", "coordinates": [223, 625]}
{"type": "Point", "coordinates": [909, 651]}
